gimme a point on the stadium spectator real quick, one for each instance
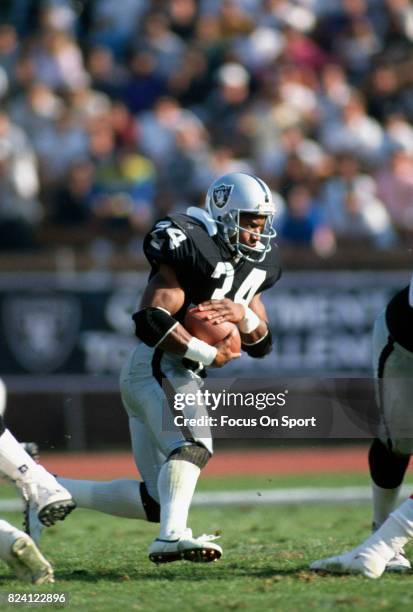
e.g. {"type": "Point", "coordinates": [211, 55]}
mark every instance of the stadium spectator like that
{"type": "Point", "coordinates": [399, 133]}
{"type": "Point", "coordinates": [259, 49]}
{"type": "Point", "coordinates": [227, 105]}
{"type": "Point", "coordinates": [274, 153]}
{"type": "Point", "coordinates": [124, 191]}
{"type": "Point", "coordinates": [59, 145]}
{"type": "Point", "coordinates": [157, 39]}
{"type": "Point", "coordinates": [302, 51]}
{"type": "Point", "coordinates": [356, 47]}
{"type": "Point", "coordinates": [144, 85]}
{"type": "Point", "coordinates": [124, 126]}
{"type": "Point", "coordinates": [57, 60]}
{"type": "Point", "coordinates": [111, 27]}
{"type": "Point", "coordinates": [209, 39]}
{"type": "Point", "coordinates": [9, 49]}
{"type": "Point", "coordinates": [156, 128]}
{"type": "Point", "coordinates": [187, 172]}
{"type": "Point", "coordinates": [183, 16]}
{"type": "Point", "coordinates": [87, 104]}
{"type": "Point", "coordinates": [361, 217]}
{"type": "Point", "coordinates": [106, 74]}
{"type": "Point", "coordinates": [72, 203]}
{"type": "Point", "coordinates": [355, 130]}
{"type": "Point", "coordinates": [352, 208]}
{"type": "Point", "coordinates": [302, 218]}
{"type": "Point", "coordinates": [395, 188]}
{"type": "Point", "coordinates": [191, 81]}
{"type": "Point", "coordinates": [385, 93]}
{"type": "Point", "coordinates": [35, 110]}
{"type": "Point", "coordinates": [20, 210]}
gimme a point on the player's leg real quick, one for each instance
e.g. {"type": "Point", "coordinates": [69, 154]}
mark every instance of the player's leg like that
{"type": "Point", "coordinates": [186, 454]}
{"type": "Point", "coordinates": [387, 470]}
{"type": "Point", "coordinates": [372, 557]}
{"type": "Point", "coordinates": [116, 497]}
{"type": "Point", "coordinates": [126, 498]}
{"type": "Point", "coordinates": [49, 499]}
{"type": "Point", "coordinates": [389, 456]}
{"type": "Point", "coordinates": [21, 554]}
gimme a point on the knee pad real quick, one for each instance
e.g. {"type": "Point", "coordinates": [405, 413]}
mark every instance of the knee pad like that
{"type": "Point", "coordinates": [150, 505]}
{"type": "Point", "coordinates": [387, 468]}
{"type": "Point", "coordinates": [194, 453]}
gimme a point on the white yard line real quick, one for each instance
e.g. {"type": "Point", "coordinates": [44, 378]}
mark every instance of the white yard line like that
{"type": "Point", "coordinates": [270, 497]}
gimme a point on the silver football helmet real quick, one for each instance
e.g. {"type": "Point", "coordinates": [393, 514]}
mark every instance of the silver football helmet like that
{"type": "Point", "coordinates": [236, 193]}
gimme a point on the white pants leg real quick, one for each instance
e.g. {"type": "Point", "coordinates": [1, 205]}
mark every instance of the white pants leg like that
{"type": "Point", "coordinates": [154, 436]}
{"type": "Point", "coordinates": [393, 367]}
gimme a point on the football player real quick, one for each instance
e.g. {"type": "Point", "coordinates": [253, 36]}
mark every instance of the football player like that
{"type": "Point", "coordinates": [49, 500]}
{"type": "Point", "coordinates": [389, 454]}
{"type": "Point", "coordinates": [220, 258]}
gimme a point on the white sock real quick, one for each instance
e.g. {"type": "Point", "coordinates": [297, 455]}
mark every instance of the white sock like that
{"type": "Point", "coordinates": [176, 485]}
{"type": "Point", "coordinates": [117, 497]}
{"type": "Point", "coordinates": [394, 533]}
{"type": "Point", "coordinates": [19, 466]}
{"type": "Point", "coordinates": [384, 502]}
{"type": "Point", "coordinates": [8, 534]}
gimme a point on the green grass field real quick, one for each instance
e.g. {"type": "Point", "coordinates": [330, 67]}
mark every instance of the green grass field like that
{"type": "Point", "coordinates": [101, 561]}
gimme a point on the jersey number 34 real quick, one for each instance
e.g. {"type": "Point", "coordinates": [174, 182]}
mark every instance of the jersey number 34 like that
{"type": "Point", "coordinates": [248, 287]}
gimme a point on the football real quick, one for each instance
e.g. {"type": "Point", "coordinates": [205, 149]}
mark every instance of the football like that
{"type": "Point", "coordinates": [197, 324]}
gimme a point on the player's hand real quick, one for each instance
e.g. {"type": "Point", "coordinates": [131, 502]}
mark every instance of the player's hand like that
{"type": "Point", "coordinates": [225, 353]}
{"type": "Point", "coordinates": [222, 310]}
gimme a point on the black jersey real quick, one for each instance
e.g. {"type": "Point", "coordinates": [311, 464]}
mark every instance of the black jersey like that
{"type": "Point", "coordinates": [204, 265]}
{"type": "Point", "coordinates": [399, 319]}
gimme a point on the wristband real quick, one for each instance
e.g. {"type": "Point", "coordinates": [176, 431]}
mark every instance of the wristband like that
{"type": "Point", "coordinates": [198, 350]}
{"type": "Point", "coordinates": [250, 321]}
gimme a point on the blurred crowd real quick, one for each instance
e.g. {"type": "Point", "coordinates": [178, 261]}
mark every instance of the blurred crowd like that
{"type": "Point", "coordinates": [115, 112]}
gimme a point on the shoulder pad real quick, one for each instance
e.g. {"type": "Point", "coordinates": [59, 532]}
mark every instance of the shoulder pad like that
{"type": "Point", "coordinates": [168, 243]}
{"type": "Point", "coordinates": [201, 215]}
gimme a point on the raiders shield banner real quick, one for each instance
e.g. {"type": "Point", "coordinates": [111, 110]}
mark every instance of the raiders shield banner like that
{"type": "Point", "coordinates": [41, 330]}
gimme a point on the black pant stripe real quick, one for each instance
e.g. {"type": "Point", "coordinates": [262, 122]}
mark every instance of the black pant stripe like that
{"type": "Point", "coordinates": [169, 391]}
{"type": "Point", "coordinates": [384, 355]}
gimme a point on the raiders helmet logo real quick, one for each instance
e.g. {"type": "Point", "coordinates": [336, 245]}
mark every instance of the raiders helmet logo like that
{"type": "Point", "coordinates": [220, 195]}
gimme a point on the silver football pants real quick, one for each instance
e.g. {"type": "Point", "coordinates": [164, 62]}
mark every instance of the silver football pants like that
{"type": "Point", "coordinates": [393, 369]}
{"type": "Point", "coordinates": [152, 416]}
